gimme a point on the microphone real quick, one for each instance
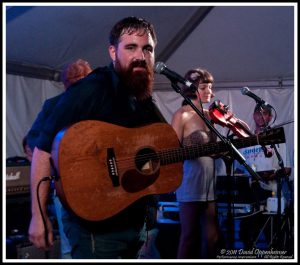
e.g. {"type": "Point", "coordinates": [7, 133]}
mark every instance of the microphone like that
{"type": "Point", "coordinates": [161, 68]}
{"type": "Point", "coordinates": [246, 91]}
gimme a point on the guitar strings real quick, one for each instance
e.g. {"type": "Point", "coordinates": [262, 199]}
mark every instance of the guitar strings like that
{"type": "Point", "coordinates": [176, 155]}
{"type": "Point", "coordinates": [166, 156]}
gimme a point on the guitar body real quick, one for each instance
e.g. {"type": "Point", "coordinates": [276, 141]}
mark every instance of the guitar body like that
{"type": "Point", "coordinates": [102, 169]}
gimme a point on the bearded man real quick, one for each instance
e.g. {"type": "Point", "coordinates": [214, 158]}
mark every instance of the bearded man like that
{"type": "Point", "coordinates": [119, 94]}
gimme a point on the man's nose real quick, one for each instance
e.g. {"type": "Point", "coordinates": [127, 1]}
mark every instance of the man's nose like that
{"type": "Point", "coordinates": [140, 55]}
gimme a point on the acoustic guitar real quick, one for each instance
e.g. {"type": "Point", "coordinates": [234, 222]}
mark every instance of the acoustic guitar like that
{"type": "Point", "coordinates": [103, 168]}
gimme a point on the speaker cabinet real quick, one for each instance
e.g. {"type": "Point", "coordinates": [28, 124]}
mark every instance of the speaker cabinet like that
{"type": "Point", "coordinates": [18, 214]}
{"type": "Point", "coordinates": [26, 250]}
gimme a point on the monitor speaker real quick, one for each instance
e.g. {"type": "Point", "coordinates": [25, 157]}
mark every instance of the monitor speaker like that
{"type": "Point", "coordinates": [28, 251]}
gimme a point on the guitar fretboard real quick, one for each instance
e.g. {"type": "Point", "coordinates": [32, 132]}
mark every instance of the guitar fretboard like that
{"type": "Point", "coordinates": [191, 152]}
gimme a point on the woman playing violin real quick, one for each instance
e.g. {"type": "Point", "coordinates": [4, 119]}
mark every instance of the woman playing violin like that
{"type": "Point", "coordinates": [196, 195]}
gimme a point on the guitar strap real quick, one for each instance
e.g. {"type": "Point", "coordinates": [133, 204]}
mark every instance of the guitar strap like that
{"type": "Point", "coordinates": [159, 114]}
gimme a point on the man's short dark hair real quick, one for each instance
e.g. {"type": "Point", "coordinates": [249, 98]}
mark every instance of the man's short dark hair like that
{"type": "Point", "coordinates": [131, 25]}
{"type": "Point", "coordinates": [260, 107]}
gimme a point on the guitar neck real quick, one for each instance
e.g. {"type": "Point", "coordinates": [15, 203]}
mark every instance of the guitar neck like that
{"type": "Point", "coordinates": [194, 151]}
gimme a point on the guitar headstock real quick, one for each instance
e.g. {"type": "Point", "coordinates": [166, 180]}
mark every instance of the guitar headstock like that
{"type": "Point", "coordinates": [272, 136]}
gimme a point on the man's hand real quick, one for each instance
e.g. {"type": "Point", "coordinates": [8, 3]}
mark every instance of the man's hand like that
{"type": "Point", "coordinates": [40, 168]}
{"type": "Point", "coordinates": [37, 232]}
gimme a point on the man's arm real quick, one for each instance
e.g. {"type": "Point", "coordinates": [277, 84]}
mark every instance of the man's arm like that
{"type": "Point", "coordinates": [40, 168]}
{"type": "Point", "coordinates": [34, 132]}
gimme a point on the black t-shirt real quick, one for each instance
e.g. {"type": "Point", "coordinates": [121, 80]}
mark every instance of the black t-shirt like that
{"type": "Point", "coordinates": [100, 96]}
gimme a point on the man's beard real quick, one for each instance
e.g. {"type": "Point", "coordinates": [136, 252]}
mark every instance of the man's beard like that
{"type": "Point", "coordinates": [138, 83]}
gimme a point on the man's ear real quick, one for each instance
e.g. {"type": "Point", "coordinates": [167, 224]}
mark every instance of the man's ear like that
{"type": "Point", "coordinates": [112, 52]}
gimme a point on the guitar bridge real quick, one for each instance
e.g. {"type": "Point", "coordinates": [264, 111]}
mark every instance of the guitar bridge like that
{"type": "Point", "coordinates": [112, 167]}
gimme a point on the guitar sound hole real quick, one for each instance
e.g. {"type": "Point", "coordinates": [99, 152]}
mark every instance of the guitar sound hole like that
{"type": "Point", "coordinates": [145, 173]}
{"type": "Point", "coordinates": [146, 161]}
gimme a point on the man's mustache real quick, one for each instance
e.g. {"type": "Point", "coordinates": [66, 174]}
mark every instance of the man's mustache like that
{"type": "Point", "coordinates": [138, 63]}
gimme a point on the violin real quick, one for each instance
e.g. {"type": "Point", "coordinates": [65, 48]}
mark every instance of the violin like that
{"type": "Point", "coordinates": [221, 115]}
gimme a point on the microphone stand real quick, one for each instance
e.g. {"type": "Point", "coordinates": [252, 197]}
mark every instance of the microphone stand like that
{"type": "Point", "coordinates": [233, 151]}
{"type": "Point", "coordinates": [279, 175]}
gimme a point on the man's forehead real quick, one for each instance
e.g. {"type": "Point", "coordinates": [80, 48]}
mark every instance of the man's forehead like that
{"type": "Point", "coordinates": [131, 36]}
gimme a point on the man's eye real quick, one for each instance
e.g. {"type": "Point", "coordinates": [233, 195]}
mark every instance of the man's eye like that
{"type": "Point", "coordinates": [149, 49]}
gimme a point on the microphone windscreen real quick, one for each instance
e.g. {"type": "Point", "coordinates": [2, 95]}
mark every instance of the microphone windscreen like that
{"type": "Point", "coordinates": [159, 67]}
{"type": "Point", "coordinates": [245, 90]}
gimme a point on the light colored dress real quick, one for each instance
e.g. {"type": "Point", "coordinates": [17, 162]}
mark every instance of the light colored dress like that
{"type": "Point", "coordinates": [199, 182]}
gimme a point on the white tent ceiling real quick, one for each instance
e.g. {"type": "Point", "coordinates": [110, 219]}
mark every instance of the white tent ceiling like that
{"type": "Point", "coordinates": [236, 43]}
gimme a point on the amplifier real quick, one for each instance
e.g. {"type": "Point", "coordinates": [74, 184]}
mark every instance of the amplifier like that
{"type": "Point", "coordinates": [17, 180]}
